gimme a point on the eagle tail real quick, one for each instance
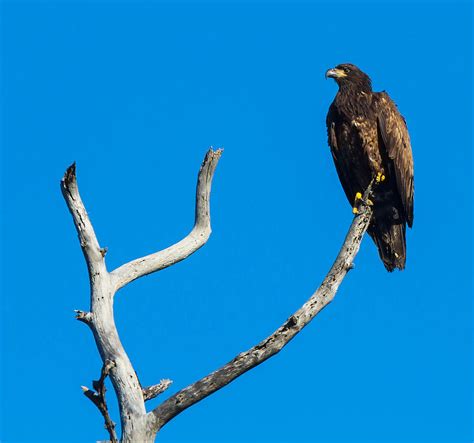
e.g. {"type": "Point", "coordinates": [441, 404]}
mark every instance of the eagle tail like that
{"type": "Point", "coordinates": [390, 241]}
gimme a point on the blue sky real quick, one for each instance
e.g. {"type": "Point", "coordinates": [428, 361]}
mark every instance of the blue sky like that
{"type": "Point", "coordinates": [135, 92]}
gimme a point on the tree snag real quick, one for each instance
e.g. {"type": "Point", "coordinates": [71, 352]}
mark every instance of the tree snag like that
{"type": "Point", "coordinates": [137, 424]}
{"type": "Point", "coordinates": [98, 398]}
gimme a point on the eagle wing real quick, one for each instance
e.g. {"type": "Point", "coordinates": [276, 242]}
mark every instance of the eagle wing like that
{"type": "Point", "coordinates": [338, 156]}
{"type": "Point", "coordinates": [394, 134]}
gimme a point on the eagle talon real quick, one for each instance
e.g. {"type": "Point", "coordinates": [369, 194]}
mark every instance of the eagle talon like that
{"type": "Point", "coordinates": [358, 200]}
{"type": "Point", "coordinates": [357, 197]}
{"type": "Point", "coordinates": [380, 177]}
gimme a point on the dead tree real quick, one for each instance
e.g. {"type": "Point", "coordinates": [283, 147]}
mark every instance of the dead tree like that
{"type": "Point", "coordinates": [138, 425]}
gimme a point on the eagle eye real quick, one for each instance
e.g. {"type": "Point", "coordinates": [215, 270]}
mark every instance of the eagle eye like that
{"type": "Point", "coordinates": [345, 69]}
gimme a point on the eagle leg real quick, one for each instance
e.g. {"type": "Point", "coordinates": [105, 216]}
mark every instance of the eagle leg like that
{"type": "Point", "coordinates": [380, 177]}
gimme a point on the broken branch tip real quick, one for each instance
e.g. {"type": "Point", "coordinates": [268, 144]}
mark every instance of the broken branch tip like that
{"type": "Point", "coordinates": [70, 175]}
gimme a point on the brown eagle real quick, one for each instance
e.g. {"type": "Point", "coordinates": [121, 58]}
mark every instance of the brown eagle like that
{"type": "Point", "coordinates": [369, 140]}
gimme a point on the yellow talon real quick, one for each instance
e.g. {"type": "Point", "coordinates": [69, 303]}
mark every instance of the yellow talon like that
{"type": "Point", "coordinates": [358, 196]}
{"type": "Point", "coordinates": [355, 211]}
{"type": "Point", "coordinates": [380, 177]}
{"type": "Point", "coordinates": [370, 202]}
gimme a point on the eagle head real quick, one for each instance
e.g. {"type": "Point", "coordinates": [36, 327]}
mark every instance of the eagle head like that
{"type": "Point", "coordinates": [348, 75]}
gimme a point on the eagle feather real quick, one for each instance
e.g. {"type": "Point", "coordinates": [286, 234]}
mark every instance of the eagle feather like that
{"type": "Point", "coordinates": [367, 136]}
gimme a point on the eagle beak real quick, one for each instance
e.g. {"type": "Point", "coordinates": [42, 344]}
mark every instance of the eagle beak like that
{"type": "Point", "coordinates": [335, 73]}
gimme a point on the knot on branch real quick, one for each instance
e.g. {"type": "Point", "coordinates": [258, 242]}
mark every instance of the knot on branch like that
{"type": "Point", "coordinates": [290, 323]}
{"type": "Point", "coordinates": [85, 317]}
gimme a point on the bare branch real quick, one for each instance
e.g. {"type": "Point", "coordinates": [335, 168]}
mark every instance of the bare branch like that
{"type": "Point", "coordinates": [89, 244]}
{"type": "Point", "coordinates": [276, 341]}
{"type": "Point", "coordinates": [85, 317]}
{"type": "Point", "coordinates": [155, 390]}
{"type": "Point", "coordinates": [98, 398]}
{"type": "Point", "coordinates": [100, 318]}
{"type": "Point", "coordinates": [184, 248]}
{"type": "Point", "coordinates": [137, 425]}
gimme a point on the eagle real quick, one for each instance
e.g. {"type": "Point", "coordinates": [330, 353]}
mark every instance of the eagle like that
{"type": "Point", "coordinates": [369, 141]}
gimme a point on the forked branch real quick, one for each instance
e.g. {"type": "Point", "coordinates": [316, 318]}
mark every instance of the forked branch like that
{"type": "Point", "coordinates": [281, 337]}
{"type": "Point", "coordinates": [188, 245]}
{"type": "Point", "coordinates": [137, 425]}
{"type": "Point", "coordinates": [100, 317]}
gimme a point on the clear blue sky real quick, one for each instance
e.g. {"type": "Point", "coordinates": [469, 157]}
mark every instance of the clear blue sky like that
{"type": "Point", "coordinates": [135, 92]}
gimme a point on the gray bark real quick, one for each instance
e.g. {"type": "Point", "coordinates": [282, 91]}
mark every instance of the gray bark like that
{"type": "Point", "coordinates": [276, 341]}
{"type": "Point", "coordinates": [137, 424]}
{"type": "Point", "coordinates": [104, 284]}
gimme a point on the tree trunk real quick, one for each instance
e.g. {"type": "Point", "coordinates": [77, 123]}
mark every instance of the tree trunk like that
{"type": "Point", "coordinates": [137, 424]}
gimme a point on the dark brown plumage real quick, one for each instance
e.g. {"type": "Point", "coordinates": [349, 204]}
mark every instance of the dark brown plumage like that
{"type": "Point", "coordinates": [368, 137]}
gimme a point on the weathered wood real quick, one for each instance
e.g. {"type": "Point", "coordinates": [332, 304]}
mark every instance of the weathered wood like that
{"type": "Point", "coordinates": [276, 341]}
{"type": "Point", "coordinates": [101, 318]}
{"type": "Point", "coordinates": [98, 398]}
{"type": "Point", "coordinates": [151, 392]}
{"type": "Point", "coordinates": [103, 286]}
{"type": "Point", "coordinates": [188, 245]}
{"type": "Point", "coordinates": [137, 425]}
